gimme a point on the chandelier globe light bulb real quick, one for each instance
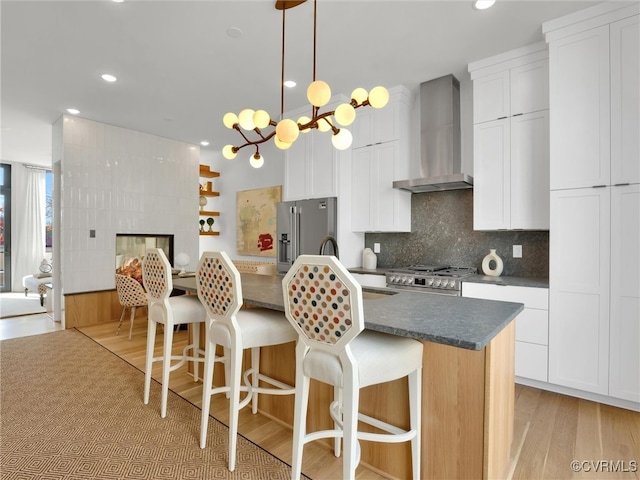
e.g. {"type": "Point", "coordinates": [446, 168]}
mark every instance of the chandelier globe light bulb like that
{"type": "Point", "coordinates": [261, 119]}
{"type": "Point", "coordinates": [280, 144]}
{"type": "Point", "coordinates": [228, 153]}
{"type": "Point", "coordinates": [342, 140]}
{"type": "Point", "coordinates": [345, 114]}
{"type": "Point", "coordinates": [230, 119]}
{"type": "Point", "coordinates": [257, 160]}
{"type": "Point", "coordinates": [378, 97]}
{"type": "Point", "coordinates": [303, 121]}
{"type": "Point", "coordinates": [324, 124]}
{"type": "Point", "coordinates": [319, 93]}
{"type": "Point", "coordinates": [287, 130]}
{"type": "Point", "coordinates": [360, 95]}
{"type": "Point", "coordinates": [245, 118]}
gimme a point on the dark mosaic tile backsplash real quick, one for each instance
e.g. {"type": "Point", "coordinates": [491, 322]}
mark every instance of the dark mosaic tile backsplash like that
{"type": "Point", "coordinates": [442, 233]}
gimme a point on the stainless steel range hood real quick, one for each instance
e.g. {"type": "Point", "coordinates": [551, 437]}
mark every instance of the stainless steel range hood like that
{"type": "Point", "coordinates": [440, 159]}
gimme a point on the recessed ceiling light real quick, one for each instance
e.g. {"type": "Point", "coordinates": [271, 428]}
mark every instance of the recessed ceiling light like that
{"type": "Point", "coordinates": [117, 1]}
{"type": "Point", "coordinates": [204, 143]}
{"type": "Point", "coordinates": [73, 111]}
{"type": "Point", "coordinates": [108, 78]}
{"type": "Point", "coordinates": [483, 4]}
{"type": "Point", "coordinates": [289, 83]}
{"type": "Point", "coordinates": [234, 32]}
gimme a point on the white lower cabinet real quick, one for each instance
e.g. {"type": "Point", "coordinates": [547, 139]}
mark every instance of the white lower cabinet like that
{"type": "Point", "coordinates": [370, 280]}
{"type": "Point", "coordinates": [532, 325]}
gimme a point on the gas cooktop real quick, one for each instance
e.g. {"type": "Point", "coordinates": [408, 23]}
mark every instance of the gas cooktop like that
{"type": "Point", "coordinates": [429, 278]}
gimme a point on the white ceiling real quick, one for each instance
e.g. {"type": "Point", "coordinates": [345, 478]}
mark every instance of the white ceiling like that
{"type": "Point", "coordinates": [179, 71]}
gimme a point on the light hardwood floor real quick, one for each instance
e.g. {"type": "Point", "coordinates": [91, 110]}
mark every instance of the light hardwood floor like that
{"type": "Point", "coordinates": [550, 430]}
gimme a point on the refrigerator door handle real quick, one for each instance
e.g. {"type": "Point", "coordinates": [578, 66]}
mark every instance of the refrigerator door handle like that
{"type": "Point", "coordinates": [295, 234]}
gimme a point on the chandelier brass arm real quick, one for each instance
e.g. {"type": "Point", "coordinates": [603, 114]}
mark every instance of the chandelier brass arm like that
{"type": "Point", "coordinates": [318, 93]}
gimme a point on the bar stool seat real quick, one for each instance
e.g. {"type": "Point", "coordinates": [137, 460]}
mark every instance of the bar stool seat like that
{"type": "Point", "coordinates": [323, 302]}
{"type": "Point", "coordinates": [220, 291]}
{"type": "Point", "coordinates": [169, 312]}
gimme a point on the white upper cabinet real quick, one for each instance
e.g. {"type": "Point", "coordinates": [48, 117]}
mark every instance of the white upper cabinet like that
{"type": "Point", "coordinates": [579, 91]}
{"type": "Point", "coordinates": [311, 164]}
{"type": "Point", "coordinates": [491, 97]}
{"type": "Point", "coordinates": [625, 101]}
{"type": "Point", "coordinates": [514, 91]}
{"type": "Point", "coordinates": [530, 87]}
{"type": "Point", "coordinates": [595, 99]}
{"type": "Point", "coordinates": [380, 155]}
{"type": "Point", "coordinates": [511, 140]}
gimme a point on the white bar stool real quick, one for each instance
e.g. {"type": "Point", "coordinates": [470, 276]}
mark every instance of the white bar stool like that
{"type": "Point", "coordinates": [168, 311]}
{"type": "Point", "coordinates": [220, 291]}
{"type": "Point", "coordinates": [324, 304]}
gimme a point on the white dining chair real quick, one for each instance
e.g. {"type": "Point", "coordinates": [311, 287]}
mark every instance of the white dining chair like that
{"type": "Point", "coordinates": [323, 302]}
{"type": "Point", "coordinates": [220, 291]}
{"type": "Point", "coordinates": [168, 311]}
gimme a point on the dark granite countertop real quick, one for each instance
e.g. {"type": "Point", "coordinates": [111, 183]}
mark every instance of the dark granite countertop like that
{"type": "Point", "coordinates": [456, 321]}
{"type": "Point", "coordinates": [507, 280]}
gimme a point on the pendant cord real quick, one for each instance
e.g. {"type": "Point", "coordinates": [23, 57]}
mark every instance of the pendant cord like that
{"type": "Point", "coordinates": [282, 73]}
{"type": "Point", "coordinates": [315, 5]}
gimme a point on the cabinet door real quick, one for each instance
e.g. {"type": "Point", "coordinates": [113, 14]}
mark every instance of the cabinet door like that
{"type": "Point", "coordinates": [491, 97]}
{"type": "Point", "coordinates": [624, 379]}
{"type": "Point", "coordinates": [530, 87]}
{"type": "Point", "coordinates": [295, 169]}
{"type": "Point", "coordinates": [376, 205]}
{"type": "Point", "coordinates": [362, 182]}
{"type": "Point", "coordinates": [362, 128]}
{"type": "Point", "coordinates": [323, 166]}
{"type": "Point", "coordinates": [491, 190]}
{"type": "Point", "coordinates": [625, 101]}
{"type": "Point", "coordinates": [391, 205]}
{"type": "Point", "coordinates": [530, 171]}
{"type": "Point", "coordinates": [579, 100]}
{"type": "Point", "coordinates": [579, 289]}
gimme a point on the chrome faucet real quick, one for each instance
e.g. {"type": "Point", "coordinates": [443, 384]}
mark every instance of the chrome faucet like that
{"type": "Point", "coordinates": [334, 244]}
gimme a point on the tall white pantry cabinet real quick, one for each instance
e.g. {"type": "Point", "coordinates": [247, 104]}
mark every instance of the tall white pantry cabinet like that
{"type": "Point", "coordinates": [594, 295]}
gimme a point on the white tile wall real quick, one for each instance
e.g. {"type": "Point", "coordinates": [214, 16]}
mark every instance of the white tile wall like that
{"type": "Point", "coordinates": [116, 180]}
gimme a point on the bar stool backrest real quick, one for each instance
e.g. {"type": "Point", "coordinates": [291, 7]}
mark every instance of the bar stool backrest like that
{"type": "Point", "coordinates": [323, 302]}
{"type": "Point", "coordinates": [219, 285]}
{"type": "Point", "coordinates": [156, 275]}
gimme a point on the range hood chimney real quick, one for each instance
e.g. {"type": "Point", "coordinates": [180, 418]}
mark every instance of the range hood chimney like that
{"type": "Point", "coordinates": [440, 159]}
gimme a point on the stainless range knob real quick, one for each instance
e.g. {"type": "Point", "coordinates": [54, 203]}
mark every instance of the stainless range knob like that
{"type": "Point", "coordinates": [437, 283]}
{"type": "Point", "coordinates": [452, 283]}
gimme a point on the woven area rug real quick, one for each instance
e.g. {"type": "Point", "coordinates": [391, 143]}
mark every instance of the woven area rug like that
{"type": "Point", "coordinates": [70, 409]}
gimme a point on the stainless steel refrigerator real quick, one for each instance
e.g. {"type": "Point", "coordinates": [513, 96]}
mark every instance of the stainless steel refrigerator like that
{"type": "Point", "coordinates": [302, 226]}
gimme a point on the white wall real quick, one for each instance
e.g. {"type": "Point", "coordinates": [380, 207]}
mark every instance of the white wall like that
{"type": "Point", "coordinates": [237, 175]}
{"type": "Point", "coordinates": [116, 180]}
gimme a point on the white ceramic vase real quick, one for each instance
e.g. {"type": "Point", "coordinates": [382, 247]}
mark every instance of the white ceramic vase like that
{"type": "Point", "coordinates": [486, 264]}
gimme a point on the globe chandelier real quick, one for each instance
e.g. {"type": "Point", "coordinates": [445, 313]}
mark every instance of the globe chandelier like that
{"type": "Point", "coordinates": [253, 123]}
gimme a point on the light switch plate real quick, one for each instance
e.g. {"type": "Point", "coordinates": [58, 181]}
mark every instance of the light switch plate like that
{"type": "Point", "coordinates": [376, 248]}
{"type": "Point", "coordinates": [517, 251]}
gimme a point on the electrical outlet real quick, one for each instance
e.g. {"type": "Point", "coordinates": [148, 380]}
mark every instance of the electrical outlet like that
{"type": "Point", "coordinates": [517, 251]}
{"type": "Point", "coordinates": [376, 248]}
{"type": "Point", "coordinates": [92, 234]}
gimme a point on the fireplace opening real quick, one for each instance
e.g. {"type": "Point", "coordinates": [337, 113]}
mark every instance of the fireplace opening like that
{"type": "Point", "coordinates": [131, 248]}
